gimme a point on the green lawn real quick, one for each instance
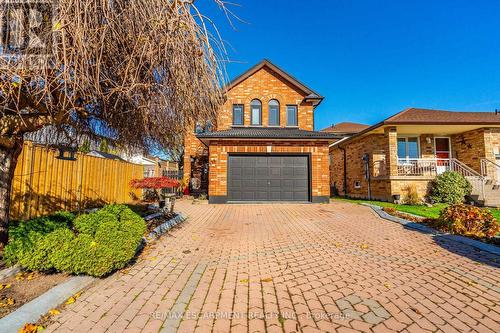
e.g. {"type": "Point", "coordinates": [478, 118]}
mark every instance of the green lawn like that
{"type": "Point", "coordinates": [431, 212]}
{"type": "Point", "coordinates": [496, 213]}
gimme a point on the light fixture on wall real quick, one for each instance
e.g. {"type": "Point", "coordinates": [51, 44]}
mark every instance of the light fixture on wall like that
{"type": "Point", "coordinates": [428, 140]}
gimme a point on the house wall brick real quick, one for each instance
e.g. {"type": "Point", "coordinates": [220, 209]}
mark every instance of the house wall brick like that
{"type": "Point", "coordinates": [265, 85]}
{"type": "Point", "coordinates": [219, 151]}
{"type": "Point", "coordinates": [373, 145]}
{"type": "Point", "coordinates": [469, 148]}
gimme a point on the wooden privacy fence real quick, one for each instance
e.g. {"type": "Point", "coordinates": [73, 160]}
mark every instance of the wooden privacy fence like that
{"type": "Point", "coordinates": [44, 184]}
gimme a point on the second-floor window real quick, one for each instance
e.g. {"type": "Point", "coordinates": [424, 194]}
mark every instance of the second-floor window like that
{"type": "Point", "coordinates": [256, 113]}
{"type": "Point", "coordinates": [291, 115]}
{"type": "Point", "coordinates": [238, 114]}
{"type": "Point", "coordinates": [274, 113]}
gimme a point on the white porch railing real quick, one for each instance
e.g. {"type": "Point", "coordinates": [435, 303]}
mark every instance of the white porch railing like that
{"type": "Point", "coordinates": [490, 170]}
{"type": "Point", "coordinates": [431, 167]}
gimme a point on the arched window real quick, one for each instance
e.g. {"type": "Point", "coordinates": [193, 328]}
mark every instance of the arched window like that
{"type": "Point", "coordinates": [256, 112]}
{"type": "Point", "coordinates": [274, 113]}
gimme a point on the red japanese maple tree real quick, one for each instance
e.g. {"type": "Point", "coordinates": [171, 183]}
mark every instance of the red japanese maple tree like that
{"type": "Point", "coordinates": [154, 183]}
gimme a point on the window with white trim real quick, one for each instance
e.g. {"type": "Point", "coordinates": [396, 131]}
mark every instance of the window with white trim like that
{"type": "Point", "coordinates": [408, 147]}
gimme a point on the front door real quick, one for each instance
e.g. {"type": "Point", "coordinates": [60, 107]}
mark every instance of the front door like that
{"type": "Point", "coordinates": [443, 154]}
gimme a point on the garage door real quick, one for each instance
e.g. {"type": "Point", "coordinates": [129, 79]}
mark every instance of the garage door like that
{"type": "Point", "coordinates": [268, 178]}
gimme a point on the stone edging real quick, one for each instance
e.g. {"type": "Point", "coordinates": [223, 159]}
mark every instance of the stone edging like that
{"type": "Point", "coordinates": [9, 271]}
{"type": "Point", "coordinates": [32, 311]}
{"type": "Point", "coordinates": [164, 227]}
{"type": "Point", "coordinates": [418, 226]}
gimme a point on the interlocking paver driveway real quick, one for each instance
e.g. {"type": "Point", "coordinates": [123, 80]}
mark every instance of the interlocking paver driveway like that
{"type": "Point", "coordinates": [305, 268]}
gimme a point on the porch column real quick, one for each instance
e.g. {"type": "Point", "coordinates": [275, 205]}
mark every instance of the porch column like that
{"type": "Point", "coordinates": [391, 150]}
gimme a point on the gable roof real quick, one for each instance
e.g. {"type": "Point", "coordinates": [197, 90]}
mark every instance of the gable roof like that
{"type": "Point", "coordinates": [310, 94]}
{"type": "Point", "coordinates": [345, 128]}
{"type": "Point", "coordinates": [417, 116]}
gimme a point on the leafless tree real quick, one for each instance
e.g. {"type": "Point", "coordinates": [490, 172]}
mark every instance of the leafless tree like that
{"type": "Point", "coordinates": [134, 71]}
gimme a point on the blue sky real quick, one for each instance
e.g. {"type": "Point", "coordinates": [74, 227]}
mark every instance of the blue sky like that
{"type": "Point", "coordinates": [371, 59]}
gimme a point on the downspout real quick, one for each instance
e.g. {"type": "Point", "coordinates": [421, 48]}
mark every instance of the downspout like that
{"type": "Point", "coordinates": [345, 171]}
{"type": "Point", "coordinates": [366, 159]}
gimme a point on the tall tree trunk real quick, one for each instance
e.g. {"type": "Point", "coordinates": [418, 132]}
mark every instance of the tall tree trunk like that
{"type": "Point", "coordinates": [8, 161]}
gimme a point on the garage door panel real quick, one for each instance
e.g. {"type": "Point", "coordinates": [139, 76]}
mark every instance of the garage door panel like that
{"type": "Point", "coordinates": [262, 183]}
{"type": "Point", "coordinates": [248, 183]}
{"type": "Point", "coordinates": [264, 178]}
{"type": "Point", "coordinates": [261, 196]}
{"type": "Point", "coordinates": [299, 184]}
{"type": "Point", "coordinates": [261, 172]}
{"type": "Point", "coordinates": [261, 161]}
{"type": "Point", "coordinates": [299, 195]}
{"type": "Point", "coordinates": [299, 172]}
{"type": "Point", "coordinates": [248, 172]}
{"type": "Point", "coordinates": [247, 195]}
{"type": "Point", "coordinates": [287, 172]}
{"type": "Point", "coordinates": [275, 184]}
{"type": "Point", "coordinates": [274, 161]}
{"type": "Point", "coordinates": [275, 196]}
{"type": "Point", "coordinates": [236, 173]}
{"type": "Point", "coordinates": [275, 172]}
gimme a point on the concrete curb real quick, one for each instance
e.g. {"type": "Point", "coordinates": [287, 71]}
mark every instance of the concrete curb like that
{"type": "Point", "coordinates": [423, 228]}
{"type": "Point", "coordinates": [31, 312]}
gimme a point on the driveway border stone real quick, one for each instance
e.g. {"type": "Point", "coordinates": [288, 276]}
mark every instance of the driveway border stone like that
{"type": "Point", "coordinates": [417, 226]}
{"type": "Point", "coordinates": [32, 311]}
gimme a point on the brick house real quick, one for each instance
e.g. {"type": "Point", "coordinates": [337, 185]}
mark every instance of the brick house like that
{"type": "Point", "coordinates": [262, 146]}
{"type": "Point", "coordinates": [412, 147]}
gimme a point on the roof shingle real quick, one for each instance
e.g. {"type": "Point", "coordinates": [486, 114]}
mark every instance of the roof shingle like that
{"type": "Point", "coordinates": [267, 133]}
{"type": "Point", "coordinates": [345, 128]}
{"type": "Point", "coordinates": [428, 116]}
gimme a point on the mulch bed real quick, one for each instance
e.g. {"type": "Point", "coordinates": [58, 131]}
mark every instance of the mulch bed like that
{"type": "Point", "coordinates": [432, 223]}
{"type": "Point", "coordinates": [24, 287]}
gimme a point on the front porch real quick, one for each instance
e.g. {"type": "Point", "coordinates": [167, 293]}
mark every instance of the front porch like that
{"type": "Point", "coordinates": [414, 151]}
{"type": "Point", "coordinates": [415, 155]}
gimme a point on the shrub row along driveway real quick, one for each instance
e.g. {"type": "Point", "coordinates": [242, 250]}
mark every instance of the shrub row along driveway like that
{"type": "Point", "coordinates": [305, 268]}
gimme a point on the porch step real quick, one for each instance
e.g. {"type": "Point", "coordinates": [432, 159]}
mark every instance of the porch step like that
{"type": "Point", "coordinates": [492, 203]}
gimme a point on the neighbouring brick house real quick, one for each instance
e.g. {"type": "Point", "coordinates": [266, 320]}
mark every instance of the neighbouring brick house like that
{"type": "Point", "coordinates": [263, 146]}
{"type": "Point", "coordinates": [412, 147]}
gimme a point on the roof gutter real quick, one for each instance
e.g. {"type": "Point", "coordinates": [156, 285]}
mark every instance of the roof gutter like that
{"type": "Point", "coordinates": [338, 142]}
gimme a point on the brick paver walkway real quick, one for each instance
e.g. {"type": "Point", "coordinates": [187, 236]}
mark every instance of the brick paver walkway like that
{"type": "Point", "coordinates": [286, 268]}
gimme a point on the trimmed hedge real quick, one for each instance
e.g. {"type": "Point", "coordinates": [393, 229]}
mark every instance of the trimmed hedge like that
{"type": "Point", "coordinates": [93, 244]}
{"type": "Point", "coordinates": [450, 187]}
